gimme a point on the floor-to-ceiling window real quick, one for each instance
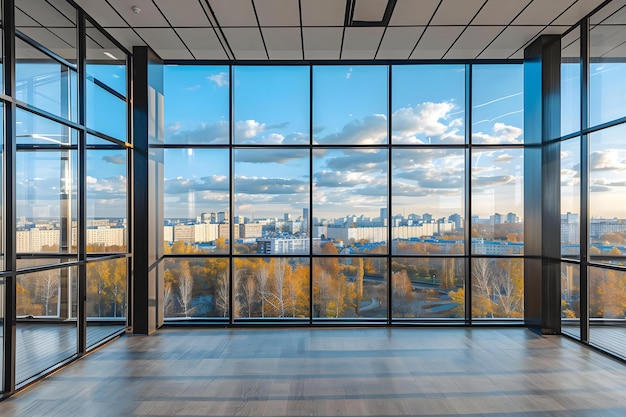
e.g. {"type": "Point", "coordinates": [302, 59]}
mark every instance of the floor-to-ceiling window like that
{"type": "Point", "coordinates": [343, 193]}
{"type": "Point", "coordinates": [67, 175]}
{"type": "Point", "coordinates": [593, 161]}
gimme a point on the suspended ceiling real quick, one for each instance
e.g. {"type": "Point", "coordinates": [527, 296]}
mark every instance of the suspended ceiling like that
{"type": "Point", "coordinates": [311, 29]}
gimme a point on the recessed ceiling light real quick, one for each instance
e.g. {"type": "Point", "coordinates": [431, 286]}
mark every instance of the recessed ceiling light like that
{"type": "Point", "coordinates": [369, 12]}
{"type": "Point", "coordinates": [135, 9]}
{"type": "Point", "coordinates": [110, 55]}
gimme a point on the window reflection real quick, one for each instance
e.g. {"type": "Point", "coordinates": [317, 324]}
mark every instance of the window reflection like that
{"type": "Point", "coordinates": [607, 207]}
{"type": "Point", "coordinates": [570, 198]}
{"type": "Point", "coordinates": [107, 228]}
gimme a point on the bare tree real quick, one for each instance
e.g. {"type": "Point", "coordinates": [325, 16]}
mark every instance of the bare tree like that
{"type": "Point", "coordinates": [248, 288]}
{"type": "Point", "coordinates": [49, 290]}
{"type": "Point", "coordinates": [263, 286]}
{"type": "Point", "coordinates": [223, 294]}
{"type": "Point", "coordinates": [167, 299]}
{"type": "Point", "coordinates": [185, 288]}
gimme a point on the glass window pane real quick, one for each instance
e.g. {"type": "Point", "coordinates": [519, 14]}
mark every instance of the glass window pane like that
{"type": "Point", "coordinates": [51, 23]}
{"type": "Point", "coordinates": [46, 203]}
{"type": "Point", "coordinates": [350, 204]}
{"type": "Point", "coordinates": [42, 344]}
{"type": "Point", "coordinates": [607, 199]}
{"type": "Point", "coordinates": [35, 130]}
{"type": "Point", "coordinates": [428, 201]}
{"type": "Point", "coordinates": [2, 266]}
{"type": "Point", "coordinates": [570, 198]}
{"type": "Point", "coordinates": [106, 63]}
{"type": "Point", "coordinates": [106, 298]}
{"type": "Point", "coordinates": [271, 201]}
{"type": "Point", "coordinates": [607, 68]}
{"type": "Point", "coordinates": [432, 288]}
{"type": "Point", "coordinates": [570, 83]}
{"type": "Point", "coordinates": [570, 299]}
{"type": "Point", "coordinates": [607, 309]}
{"type": "Point", "coordinates": [106, 112]}
{"type": "Point", "coordinates": [498, 202]}
{"type": "Point", "coordinates": [497, 288]}
{"type": "Point", "coordinates": [498, 103]}
{"type": "Point", "coordinates": [272, 287]}
{"type": "Point", "coordinates": [196, 104]}
{"type": "Point", "coordinates": [44, 83]}
{"type": "Point", "coordinates": [271, 105]}
{"type": "Point", "coordinates": [196, 288]}
{"type": "Point", "coordinates": [196, 200]}
{"type": "Point", "coordinates": [107, 200]}
{"type": "Point", "coordinates": [428, 104]}
{"type": "Point", "coordinates": [350, 105]}
{"type": "Point", "coordinates": [350, 287]}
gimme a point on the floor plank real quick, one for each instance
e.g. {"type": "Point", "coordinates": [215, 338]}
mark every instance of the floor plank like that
{"type": "Point", "coordinates": [333, 372]}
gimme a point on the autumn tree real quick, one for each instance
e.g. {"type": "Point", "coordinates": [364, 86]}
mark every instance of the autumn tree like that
{"type": "Point", "coordinates": [358, 279]}
{"type": "Point", "coordinates": [402, 293]}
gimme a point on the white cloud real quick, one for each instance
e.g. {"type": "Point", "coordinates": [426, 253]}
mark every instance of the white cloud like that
{"type": "Point", "coordinates": [220, 79]}
{"type": "Point", "coordinates": [426, 123]}
{"type": "Point", "coordinates": [247, 129]}
{"type": "Point", "coordinates": [501, 133]}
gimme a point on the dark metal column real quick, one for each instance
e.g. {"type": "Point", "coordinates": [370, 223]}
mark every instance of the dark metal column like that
{"type": "Point", "coordinates": [146, 65]}
{"type": "Point", "coordinates": [8, 176]}
{"type": "Point", "coordinates": [542, 219]}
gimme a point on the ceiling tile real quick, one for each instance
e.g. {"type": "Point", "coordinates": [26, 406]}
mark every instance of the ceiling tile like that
{"type": "Point", "coordinates": [579, 10]}
{"type": "Point", "coordinates": [209, 54]}
{"type": "Point", "coordinates": [614, 13]}
{"type": "Point", "coordinates": [278, 12]}
{"type": "Point", "coordinates": [246, 43]}
{"type": "Point", "coordinates": [361, 42]}
{"type": "Point", "coordinates": [149, 16]}
{"type": "Point", "coordinates": [499, 12]}
{"type": "Point", "coordinates": [323, 12]}
{"type": "Point", "coordinates": [182, 13]}
{"type": "Point", "coordinates": [604, 38]}
{"type": "Point", "coordinates": [102, 13]}
{"type": "Point", "coordinates": [542, 12]}
{"type": "Point", "coordinates": [436, 41]}
{"type": "Point", "coordinates": [509, 41]}
{"type": "Point", "coordinates": [617, 52]}
{"type": "Point", "coordinates": [322, 43]}
{"type": "Point", "coordinates": [555, 30]}
{"type": "Point", "coordinates": [178, 53]}
{"type": "Point", "coordinates": [24, 20]}
{"type": "Point", "coordinates": [45, 14]}
{"type": "Point", "coordinates": [411, 12]}
{"type": "Point", "coordinates": [455, 12]}
{"type": "Point", "coordinates": [234, 12]}
{"type": "Point", "coordinates": [161, 38]}
{"type": "Point", "coordinates": [398, 42]}
{"type": "Point", "coordinates": [283, 43]}
{"type": "Point", "coordinates": [127, 37]}
{"type": "Point", "coordinates": [473, 41]}
{"type": "Point", "coordinates": [200, 38]}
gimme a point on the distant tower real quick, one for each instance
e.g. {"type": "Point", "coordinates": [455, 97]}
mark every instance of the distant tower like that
{"type": "Point", "coordinates": [384, 216]}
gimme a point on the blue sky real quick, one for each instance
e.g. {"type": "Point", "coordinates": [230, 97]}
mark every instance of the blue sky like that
{"type": "Point", "coordinates": [350, 107]}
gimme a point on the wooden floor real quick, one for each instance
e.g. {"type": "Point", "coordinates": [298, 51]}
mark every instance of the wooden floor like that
{"type": "Point", "coordinates": [333, 372]}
